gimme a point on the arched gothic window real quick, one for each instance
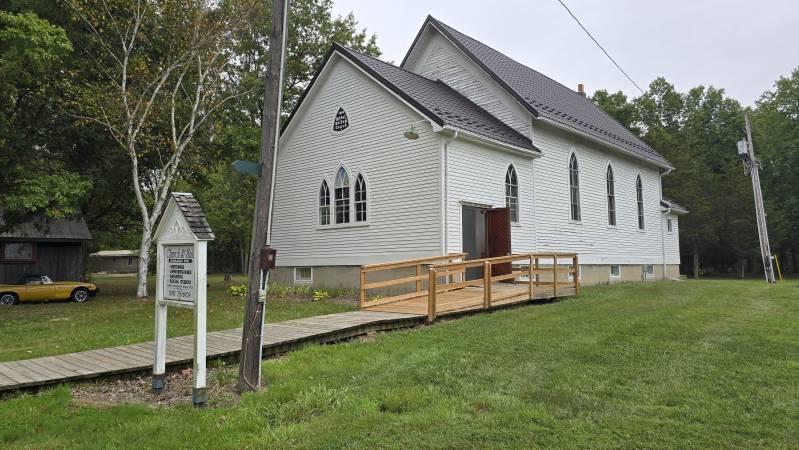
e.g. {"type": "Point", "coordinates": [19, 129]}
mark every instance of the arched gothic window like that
{"type": "Point", "coordinates": [574, 188]}
{"type": "Point", "coordinates": [324, 204]}
{"type": "Point", "coordinates": [342, 196]}
{"type": "Point", "coordinates": [610, 181]}
{"type": "Point", "coordinates": [360, 199]}
{"type": "Point", "coordinates": [512, 193]}
{"type": "Point", "coordinates": [639, 196]}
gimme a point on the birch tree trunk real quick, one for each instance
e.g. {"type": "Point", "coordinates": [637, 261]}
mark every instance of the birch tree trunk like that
{"type": "Point", "coordinates": [151, 90]}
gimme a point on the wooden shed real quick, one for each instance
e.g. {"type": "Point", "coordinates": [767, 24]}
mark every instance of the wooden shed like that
{"type": "Point", "coordinates": [54, 247]}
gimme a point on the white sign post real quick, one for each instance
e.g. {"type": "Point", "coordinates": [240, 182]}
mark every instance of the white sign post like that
{"type": "Point", "coordinates": [182, 246]}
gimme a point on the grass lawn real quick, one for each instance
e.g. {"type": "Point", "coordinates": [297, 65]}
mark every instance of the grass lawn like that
{"type": "Point", "coordinates": [117, 317]}
{"type": "Point", "coordinates": [706, 364]}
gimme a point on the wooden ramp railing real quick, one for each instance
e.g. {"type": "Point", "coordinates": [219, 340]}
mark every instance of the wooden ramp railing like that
{"type": "Point", "coordinates": [403, 267]}
{"type": "Point", "coordinates": [449, 290]}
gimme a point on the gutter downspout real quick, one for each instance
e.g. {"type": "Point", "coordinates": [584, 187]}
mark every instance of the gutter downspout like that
{"type": "Point", "coordinates": [445, 192]}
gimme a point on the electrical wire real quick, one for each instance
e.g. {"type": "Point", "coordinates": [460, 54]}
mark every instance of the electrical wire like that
{"type": "Point", "coordinates": [600, 46]}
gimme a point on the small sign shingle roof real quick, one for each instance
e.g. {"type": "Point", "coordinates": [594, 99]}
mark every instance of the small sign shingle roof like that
{"type": "Point", "coordinates": [545, 97]}
{"type": "Point", "coordinates": [194, 215]}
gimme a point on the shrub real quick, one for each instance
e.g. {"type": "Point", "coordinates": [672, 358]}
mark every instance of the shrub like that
{"type": "Point", "coordinates": [238, 291]}
{"type": "Point", "coordinates": [321, 295]}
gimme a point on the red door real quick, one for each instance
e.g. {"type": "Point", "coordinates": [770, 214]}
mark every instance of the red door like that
{"type": "Point", "coordinates": [498, 238]}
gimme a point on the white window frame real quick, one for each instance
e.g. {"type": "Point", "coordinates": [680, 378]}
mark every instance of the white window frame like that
{"type": "Point", "coordinates": [618, 271]}
{"type": "Point", "coordinates": [348, 197]}
{"type": "Point", "coordinates": [669, 225]}
{"type": "Point", "coordinates": [298, 280]}
{"type": "Point", "coordinates": [573, 154]}
{"type": "Point", "coordinates": [319, 206]}
{"type": "Point", "coordinates": [365, 201]}
{"type": "Point", "coordinates": [512, 169]}
{"type": "Point", "coordinates": [640, 210]}
{"type": "Point", "coordinates": [649, 269]}
{"type": "Point", "coordinates": [608, 196]}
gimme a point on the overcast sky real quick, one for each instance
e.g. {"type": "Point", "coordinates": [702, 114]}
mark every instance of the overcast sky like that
{"type": "Point", "coordinates": [741, 46]}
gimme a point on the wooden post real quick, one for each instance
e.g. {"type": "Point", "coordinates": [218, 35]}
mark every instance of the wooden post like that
{"type": "Point", "coordinates": [199, 393]}
{"type": "Point", "coordinates": [159, 346]}
{"type": "Point", "coordinates": [537, 276]}
{"type": "Point", "coordinates": [576, 263]}
{"type": "Point", "coordinates": [530, 277]}
{"type": "Point", "coordinates": [555, 275]}
{"type": "Point", "coordinates": [431, 296]}
{"type": "Point", "coordinates": [418, 282]}
{"type": "Point", "coordinates": [486, 284]}
{"type": "Point", "coordinates": [362, 298]}
{"type": "Point", "coordinates": [258, 278]}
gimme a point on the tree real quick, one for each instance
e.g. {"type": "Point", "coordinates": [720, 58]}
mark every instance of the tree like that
{"type": "Point", "coordinates": [311, 31]}
{"type": "Point", "coordinates": [619, 108]}
{"type": "Point", "coordinates": [34, 180]}
{"type": "Point", "coordinates": [165, 67]}
{"type": "Point", "coordinates": [776, 135]}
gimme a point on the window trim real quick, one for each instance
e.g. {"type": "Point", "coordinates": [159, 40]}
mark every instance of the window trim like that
{"type": "Point", "coordinates": [365, 201]}
{"type": "Point", "coordinates": [669, 225]}
{"type": "Point", "coordinates": [608, 197]}
{"type": "Point", "coordinates": [34, 253]}
{"type": "Point", "coordinates": [348, 196]}
{"type": "Point", "coordinates": [512, 170]}
{"type": "Point", "coordinates": [618, 275]}
{"type": "Point", "coordinates": [639, 202]}
{"type": "Point", "coordinates": [302, 280]}
{"type": "Point", "coordinates": [573, 156]}
{"type": "Point", "coordinates": [319, 206]}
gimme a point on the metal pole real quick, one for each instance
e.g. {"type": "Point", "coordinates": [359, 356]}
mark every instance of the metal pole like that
{"type": "Point", "coordinates": [252, 333]}
{"type": "Point", "coordinates": [762, 230]}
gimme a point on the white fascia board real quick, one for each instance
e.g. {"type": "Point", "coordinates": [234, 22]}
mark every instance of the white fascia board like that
{"type": "Point", "coordinates": [468, 135]}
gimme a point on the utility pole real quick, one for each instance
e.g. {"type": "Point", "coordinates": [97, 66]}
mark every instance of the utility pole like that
{"type": "Point", "coordinates": [747, 150]}
{"type": "Point", "coordinates": [261, 256]}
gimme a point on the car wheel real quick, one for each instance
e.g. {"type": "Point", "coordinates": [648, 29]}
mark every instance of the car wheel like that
{"type": "Point", "coordinates": [80, 295]}
{"type": "Point", "coordinates": [8, 299]}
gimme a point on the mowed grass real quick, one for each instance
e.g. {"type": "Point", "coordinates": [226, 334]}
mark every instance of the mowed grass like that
{"type": "Point", "coordinates": [707, 364]}
{"type": "Point", "coordinates": [117, 317]}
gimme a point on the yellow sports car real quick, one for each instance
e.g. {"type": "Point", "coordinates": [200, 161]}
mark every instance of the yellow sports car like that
{"type": "Point", "coordinates": [42, 288]}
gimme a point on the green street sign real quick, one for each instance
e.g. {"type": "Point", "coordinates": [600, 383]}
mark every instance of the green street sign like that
{"type": "Point", "coordinates": [246, 167]}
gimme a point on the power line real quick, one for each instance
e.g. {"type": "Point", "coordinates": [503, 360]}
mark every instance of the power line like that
{"type": "Point", "coordinates": [600, 46]}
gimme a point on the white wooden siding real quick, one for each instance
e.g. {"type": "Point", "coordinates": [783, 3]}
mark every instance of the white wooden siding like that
{"type": "Point", "coordinates": [403, 177]}
{"type": "Point", "coordinates": [592, 237]}
{"type": "Point", "coordinates": [672, 239]}
{"type": "Point", "coordinates": [440, 60]}
{"type": "Point", "coordinates": [476, 175]}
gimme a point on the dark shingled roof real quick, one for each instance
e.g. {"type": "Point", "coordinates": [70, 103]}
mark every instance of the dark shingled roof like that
{"type": "Point", "coordinates": [435, 99]}
{"type": "Point", "coordinates": [676, 208]}
{"type": "Point", "coordinates": [72, 229]}
{"type": "Point", "coordinates": [545, 97]}
{"type": "Point", "coordinates": [194, 215]}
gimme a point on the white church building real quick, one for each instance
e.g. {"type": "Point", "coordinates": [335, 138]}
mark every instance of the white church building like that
{"type": "Point", "coordinates": [381, 163]}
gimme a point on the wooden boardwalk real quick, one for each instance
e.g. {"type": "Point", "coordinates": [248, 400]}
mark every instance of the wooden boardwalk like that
{"type": "Point", "coordinates": [278, 338]}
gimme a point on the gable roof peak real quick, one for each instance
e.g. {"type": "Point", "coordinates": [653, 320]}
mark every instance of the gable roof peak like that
{"type": "Point", "coordinates": [544, 97]}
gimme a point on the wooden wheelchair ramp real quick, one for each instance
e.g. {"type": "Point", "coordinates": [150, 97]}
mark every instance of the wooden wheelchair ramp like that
{"type": "Point", "coordinates": [439, 286]}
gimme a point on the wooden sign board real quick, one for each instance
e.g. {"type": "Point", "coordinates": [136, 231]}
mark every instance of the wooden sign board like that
{"type": "Point", "coordinates": [181, 271]}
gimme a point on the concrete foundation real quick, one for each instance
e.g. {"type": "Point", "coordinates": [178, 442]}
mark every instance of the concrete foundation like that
{"type": "Point", "coordinates": [349, 276]}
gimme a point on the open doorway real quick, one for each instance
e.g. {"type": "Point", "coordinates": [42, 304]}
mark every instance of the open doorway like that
{"type": "Point", "coordinates": [485, 234]}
